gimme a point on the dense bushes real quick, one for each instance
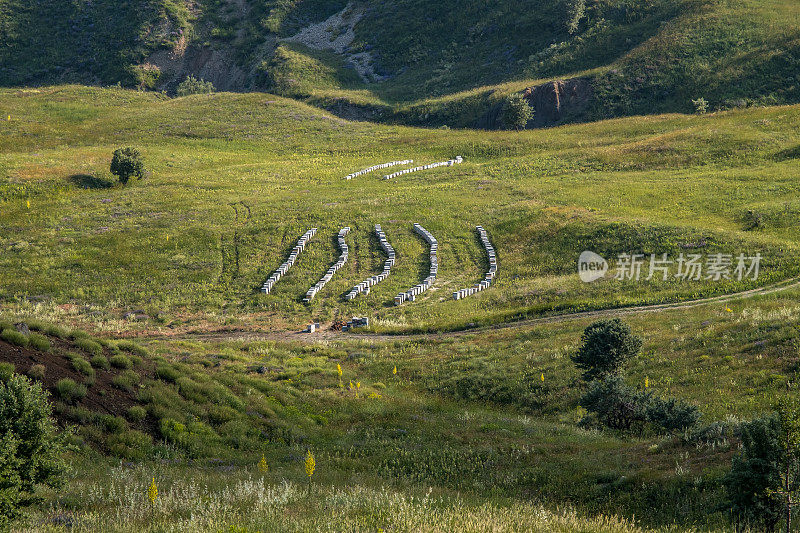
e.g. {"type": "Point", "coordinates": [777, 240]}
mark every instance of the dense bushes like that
{"type": "Point", "coordinates": [31, 449]}
{"type": "Point", "coordinates": [192, 85]}
{"type": "Point", "coordinates": [606, 346]}
{"type": "Point", "coordinates": [619, 406]}
{"type": "Point", "coordinates": [516, 112]}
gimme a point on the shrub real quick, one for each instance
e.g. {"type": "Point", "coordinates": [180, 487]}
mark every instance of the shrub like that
{"type": "Point", "coordinates": [755, 474]}
{"type": "Point", "coordinates": [126, 381]}
{"type": "Point", "coordinates": [69, 391]}
{"type": "Point", "coordinates": [132, 347]}
{"type": "Point", "coordinates": [672, 414]}
{"type": "Point", "coordinates": [6, 371]}
{"type": "Point", "coordinates": [83, 366]}
{"type": "Point", "coordinates": [100, 361]}
{"type": "Point", "coordinates": [113, 424]}
{"type": "Point", "coordinates": [13, 336]}
{"type": "Point", "coordinates": [516, 112]}
{"type": "Point", "coordinates": [36, 372]}
{"type": "Point", "coordinates": [89, 346]}
{"type": "Point", "coordinates": [616, 405]}
{"type": "Point", "coordinates": [137, 413]}
{"type": "Point", "coordinates": [574, 12]}
{"type": "Point", "coordinates": [700, 106]}
{"type": "Point", "coordinates": [605, 347]}
{"type": "Point", "coordinates": [167, 373]}
{"type": "Point", "coordinates": [121, 361]}
{"type": "Point", "coordinates": [31, 448]}
{"type": "Point", "coordinates": [39, 342]}
{"type": "Point", "coordinates": [192, 85]}
{"type": "Point", "coordinates": [127, 164]}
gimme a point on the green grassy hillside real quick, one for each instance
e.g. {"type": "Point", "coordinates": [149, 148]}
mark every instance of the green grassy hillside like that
{"type": "Point", "coordinates": [640, 57]}
{"type": "Point", "coordinates": [174, 247]}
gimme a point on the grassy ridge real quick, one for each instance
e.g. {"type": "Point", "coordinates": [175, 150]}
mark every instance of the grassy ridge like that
{"type": "Point", "coordinates": [170, 243]}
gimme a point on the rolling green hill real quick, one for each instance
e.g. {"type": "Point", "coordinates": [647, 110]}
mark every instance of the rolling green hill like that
{"type": "Point", "coordinates": [412, 62]}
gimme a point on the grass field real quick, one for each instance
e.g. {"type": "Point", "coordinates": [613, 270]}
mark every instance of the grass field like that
{"type": "Point", "coordinates": [173, 247]}
{"type": "Point", "coordinates": [199, 405]}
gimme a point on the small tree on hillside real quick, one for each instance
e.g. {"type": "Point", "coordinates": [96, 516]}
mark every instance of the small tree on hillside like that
{"type": "Point", "coordinates": [575, 10]}
{"type": "Point", "coordinates": [605, 347]}
{"type": "Point", "coordinates": [192, 85]}
{"type": "Point", "coordinates": [31, 449]}
{"type": "Point", "coordinates": [126, 164]}
{"type": "Point", "coordinates": [516, 112]}
{"type": "Point", "coordinates": [755, 473]}
{"type": "Point", "coordinates": [700, 106]}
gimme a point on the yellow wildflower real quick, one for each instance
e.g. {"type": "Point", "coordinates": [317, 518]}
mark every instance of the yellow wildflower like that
{"type": "Point", "coordinates": [542, 376]}
{"type": "Point", "coordinates": [339, 369]}
{"type": "Point", "coordinates": [152, 492]}
{"type": "Point", "coordinates": [262, 465]}
{"type": "Point", "coordinates": [394, 370]}
{"type": "Point", "coordinates": [646, 382]}
{"type": "Point", "coordinates": [311, 464]}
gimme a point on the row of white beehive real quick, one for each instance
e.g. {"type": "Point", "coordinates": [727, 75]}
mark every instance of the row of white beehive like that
{"type": "Point", "coordinates": [284, 268]}
{"type": "Point", "coordinates": [332, 270]}
{"type": "Point", "coordinates": [378, 167]}
{"type": "Point", "coordinates": [411, 294]}
{"type": "Point", "coordinates": [448, 163]}
{"type": "Point", "coordinates": [365, 285]}
{"type": "Point", "coordinates": [487, 280]}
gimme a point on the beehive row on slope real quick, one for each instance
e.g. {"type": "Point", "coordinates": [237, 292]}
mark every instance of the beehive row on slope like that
{"type": "Point", "coordinates": [378, 167]}
{"type": "Point", "coordinates": [281, 271]}
{"type": "Point", "coordinates": [332, 270]}
{"type": "Point", "coordinates": [365, 285]}
{"type": "Point", "coordinates": [448, 163]}
{"type": "Point", "coordinates": [487, 280]}
{"type": "Point", "coordinates": [411, 294]}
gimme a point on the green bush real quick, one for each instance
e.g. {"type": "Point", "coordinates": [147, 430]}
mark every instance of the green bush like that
{"type": "Point", "coordinates": [137, 413]}
{"type": "Point", "coordinates": [167, 373]}
{"type": "Point", "coordinates": [755, 474]}
{"type": "Point", "coordinates": [516, 112]}
{"type": "Point", "coordinates": [192, 85]}
{"type": "Point", "coordinates": [36, 372]}
{"type": "Point", "coordinates": [13, 336]}
{"type": "Point", "coordinates": [83, 366]}
{"type": "Point", "coordinates": [605, 347]}
{"type": "Point", "coordinates": [127, 165]}
{"type": "Point", "coordinates": [126, 381]}
{"type": "Point", "coordinates": [31, 448]}
{"type": "Point", "coordinates": [121, 361]}
{"type": "Point", "coordinates": [69, 391]}
{"type": "Point", "coordinates": [700, 106]}
{"type": "Point", "coordinates": [100, 361]}
{"type": "Point", "coordinates": [672, 414]}
{"type": "Point", "coordinates": [113, 424]}
{"type": "Point", "coordinates": [132, 347]}
{"type": "Point", "coordinates": [39, 342]}
{"type": "Point", "coordinates": [89, 346]}
{"type": "Point", "coordinates": [6, 371]}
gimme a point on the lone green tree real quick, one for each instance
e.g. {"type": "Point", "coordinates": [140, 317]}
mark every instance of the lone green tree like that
{"type": "Point", "coordinates": [127, 164]}
{"type": "Point", "coordinates": [31, 447]}
{"type": "Point", "coordinates": [605, 347]}
{"type": "Point", "coordinates": [516, 112]}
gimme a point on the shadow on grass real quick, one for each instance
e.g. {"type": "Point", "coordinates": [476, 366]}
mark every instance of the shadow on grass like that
{"type": "Point", "coordinates": [87, 181]}
{"type": "Point", "coordinates": [789, 153]}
